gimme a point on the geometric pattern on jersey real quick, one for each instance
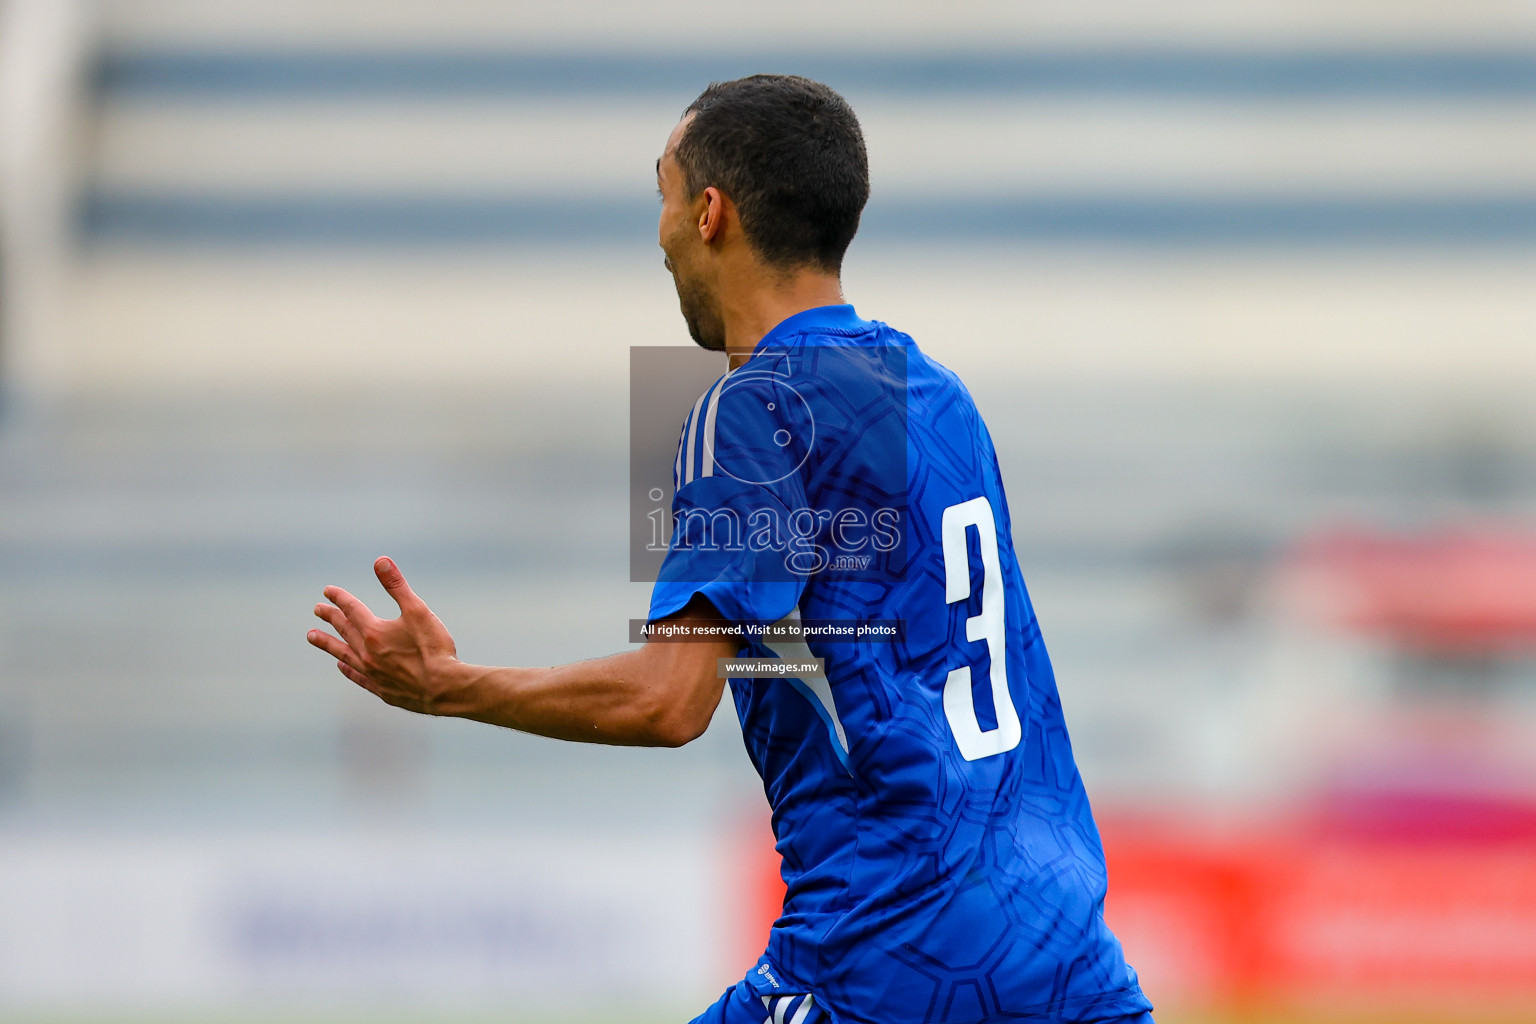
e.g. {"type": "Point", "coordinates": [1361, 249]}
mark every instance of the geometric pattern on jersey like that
{"type": "Point", "coordinates": [940, 859]}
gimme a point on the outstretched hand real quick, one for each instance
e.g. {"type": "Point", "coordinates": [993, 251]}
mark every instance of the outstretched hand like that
{"type": "Point", "coordinates": [402, 660]}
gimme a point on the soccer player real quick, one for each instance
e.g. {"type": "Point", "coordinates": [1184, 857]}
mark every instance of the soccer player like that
{"type": "Point", "coordinates": [941, 861]}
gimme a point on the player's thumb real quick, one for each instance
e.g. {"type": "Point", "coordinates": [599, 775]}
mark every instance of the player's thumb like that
{"type": "Point", "coordinates": [393, 581]}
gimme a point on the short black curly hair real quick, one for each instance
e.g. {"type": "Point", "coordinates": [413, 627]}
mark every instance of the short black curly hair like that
{"type": "Point", "coordinates": [789, 153]}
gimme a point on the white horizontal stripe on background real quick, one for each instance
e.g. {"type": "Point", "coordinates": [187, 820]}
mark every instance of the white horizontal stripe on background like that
{"type": "Point", "coordinates": [189, 322]}
{"type": "Point", "coordinates": [617, 23]}
{"type": "Point", "coordinates": [570, 147]}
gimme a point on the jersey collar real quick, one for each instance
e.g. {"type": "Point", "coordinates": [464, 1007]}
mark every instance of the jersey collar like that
{"type": "Point", "coordinates": [831, 319]}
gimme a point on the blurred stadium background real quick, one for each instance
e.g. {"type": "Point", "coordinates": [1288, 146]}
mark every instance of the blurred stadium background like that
{"type": "Point", "coordinates": [1247, 292]}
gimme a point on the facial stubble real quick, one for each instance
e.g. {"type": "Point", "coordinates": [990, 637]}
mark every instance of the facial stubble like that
{"type": "Point", "coordinates": [700, 312]}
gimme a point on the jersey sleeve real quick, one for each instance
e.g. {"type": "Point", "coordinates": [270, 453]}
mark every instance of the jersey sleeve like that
{"type": "Point", "coordinates": [741, 525]}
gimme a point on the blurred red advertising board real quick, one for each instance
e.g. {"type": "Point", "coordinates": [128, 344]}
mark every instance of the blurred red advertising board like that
{"type": "Point", "coordinates": [1297, 916]}
{"type": "Point", "coordinates": [1457, 588]}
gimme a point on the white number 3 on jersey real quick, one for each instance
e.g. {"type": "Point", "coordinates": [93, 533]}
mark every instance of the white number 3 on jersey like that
{"type": "Point", "coordinates": [959, 700]}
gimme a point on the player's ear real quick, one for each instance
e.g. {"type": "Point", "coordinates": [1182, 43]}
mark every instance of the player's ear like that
{"type": "Point", "coordinates": [712, 215]}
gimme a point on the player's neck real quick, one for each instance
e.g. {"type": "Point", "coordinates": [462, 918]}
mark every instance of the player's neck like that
{"type": "Point", "coordinates": [760, 305]}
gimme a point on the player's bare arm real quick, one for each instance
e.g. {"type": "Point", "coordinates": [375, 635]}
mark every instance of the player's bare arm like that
{"type": "Point", "coordinates": [661, 694]}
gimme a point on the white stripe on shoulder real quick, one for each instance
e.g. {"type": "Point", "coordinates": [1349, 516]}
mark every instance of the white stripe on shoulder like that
{"type": "Point", "coordinates": [677, 463]}
{"type": "Point", "coordinates": [693, 427]}
{"type": "Point", "coordinates": [804, 1011]}
{"type": "Point", "coordinates": [708, 457]}
{"type": "Point", "coordinates": [780, 1008]}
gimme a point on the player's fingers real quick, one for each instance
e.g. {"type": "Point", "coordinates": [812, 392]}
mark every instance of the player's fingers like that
{"type": "Point", "coordinates": [351, 607]}
{"type": "Point", "coordinates": [334, 647]}
{"type": "Point", "coordinates": [393, 581]}
{"type": "Point", "coordinates": [354, 675]}
{"type": "Point", "coordinates": [339, 621]}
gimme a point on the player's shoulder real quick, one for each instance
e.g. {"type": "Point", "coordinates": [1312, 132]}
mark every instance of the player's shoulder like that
{"type": "Point", "coordinates": [798, 383]}
{"type": "Point", "coordinates": [749, 391]}
{"type": "Point", "coordinates": [753, 425]}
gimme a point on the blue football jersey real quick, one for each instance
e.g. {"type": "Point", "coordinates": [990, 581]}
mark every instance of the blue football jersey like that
{"type": "Point", "coordinates": [940, 857]}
